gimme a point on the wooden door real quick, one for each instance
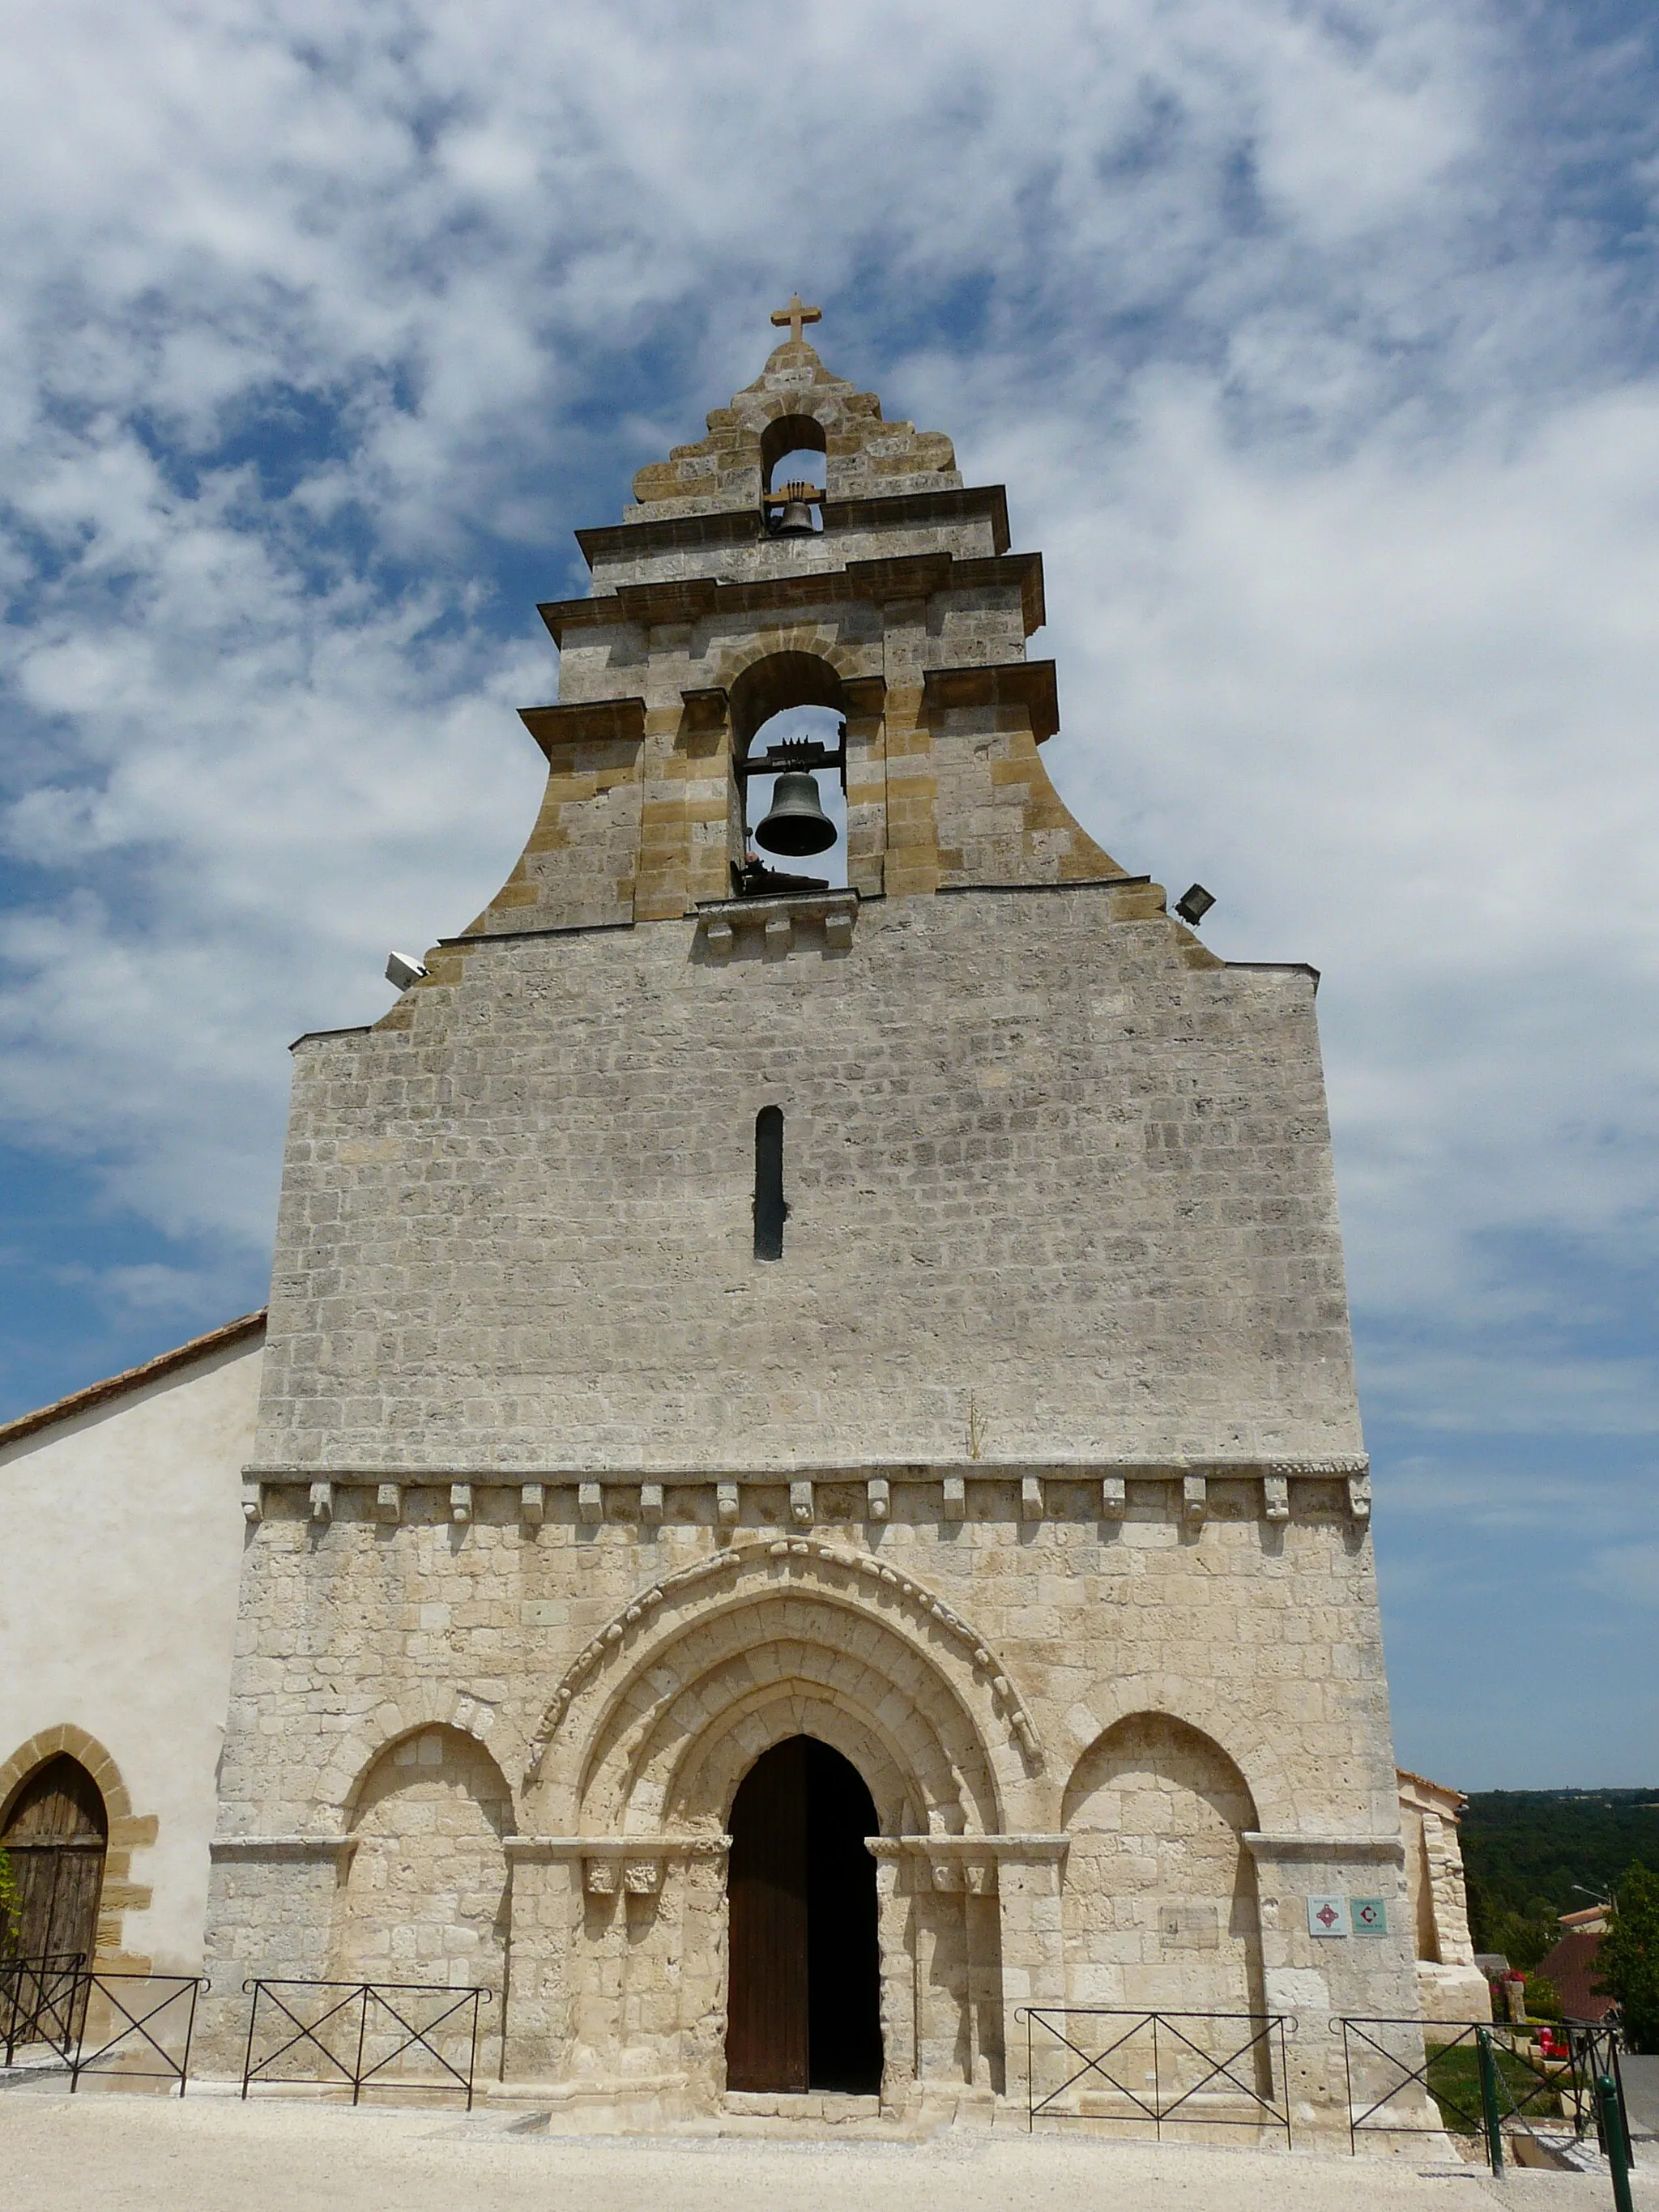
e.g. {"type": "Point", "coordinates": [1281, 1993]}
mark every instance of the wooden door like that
{"type": "Point", "coordinates": [56, 1836]}
{"type": "Point", "coordinates": [766, 2021]}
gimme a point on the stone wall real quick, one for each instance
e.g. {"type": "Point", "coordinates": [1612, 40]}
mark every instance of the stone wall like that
{"type": "Point", "coordinates": [1452, 1987]}
{"type": "Point", "coordinates": [1027, 1698]}
{"type": "Point", "coordinates": [1057, 1196]}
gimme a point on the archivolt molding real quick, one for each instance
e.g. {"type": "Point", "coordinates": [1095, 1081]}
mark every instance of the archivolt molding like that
{"type": "Point", "coordinates": [860, 1575]}
{"type": "Point", "coordinates": [752, 1725]}
{"type": "Point", "coordinates": [698, 1710]}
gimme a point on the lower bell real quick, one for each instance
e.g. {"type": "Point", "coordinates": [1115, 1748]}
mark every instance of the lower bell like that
{"type": "Point", "coordinates": [797, 824]}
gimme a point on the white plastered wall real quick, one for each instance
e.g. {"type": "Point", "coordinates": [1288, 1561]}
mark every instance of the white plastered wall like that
{"type": "Point", "coordinates": [121, 1533]}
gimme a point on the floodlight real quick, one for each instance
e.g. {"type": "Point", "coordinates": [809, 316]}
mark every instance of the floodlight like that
{"type": "Point", "coordinates": [1195, 903]}
{"type": "Point", "coordinates": [402, 970]}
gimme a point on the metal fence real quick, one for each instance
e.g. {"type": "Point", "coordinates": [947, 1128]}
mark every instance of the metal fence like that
{"type": "Point", "coordinates": [37, 2001]}
{"type": "Point", "coordinates": [1405, 2077]}
{"type": "Point", "coordinates": [140, 2026]}
{"type": "Point", "coordinates": [352, 2032]}
{"type": "Point", "coordinates": [1160, 2070]}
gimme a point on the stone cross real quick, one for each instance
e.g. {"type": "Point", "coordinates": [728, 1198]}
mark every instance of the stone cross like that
{"type": "Point", "coordinates": [794, 315]}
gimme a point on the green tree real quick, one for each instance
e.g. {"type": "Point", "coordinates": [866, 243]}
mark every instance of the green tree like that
{"type": "Point", "coordinates": [1543, 1998]}
{"type": "Point", "coordinates": [1628, 1958]}
{"type": "Point", "coordinates": [10, 1903]}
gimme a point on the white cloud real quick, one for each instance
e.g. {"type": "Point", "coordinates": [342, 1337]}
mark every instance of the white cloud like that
{"type": "Point", "coordinates": [1330, 420]}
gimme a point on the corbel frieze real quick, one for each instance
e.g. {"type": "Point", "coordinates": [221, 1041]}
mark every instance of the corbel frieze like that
{"type": "Point", "coordinates": [1041, 1493]}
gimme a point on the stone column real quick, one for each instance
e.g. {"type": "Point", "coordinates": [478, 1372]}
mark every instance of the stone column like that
{"type": "Point", "coordinates": [896, 1938]}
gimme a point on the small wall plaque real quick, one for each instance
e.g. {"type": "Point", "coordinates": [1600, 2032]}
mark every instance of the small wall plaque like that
{"type": "Point", "coordinates": [1369, 1916]}
{"type": "Point", "coordinates": [1328, 1915]}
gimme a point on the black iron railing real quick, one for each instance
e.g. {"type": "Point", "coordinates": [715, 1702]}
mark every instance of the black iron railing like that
{"type": "Point", "coordinates": [355, 2031]}
{"type": "Point", "coordinates": [1168, 2069]}
{"type": "Point", "coordinates": [37, 2001]}
{"type": "Point", "coordinates": [139, 2026]}
{"type": "Point", "coordinates": [1472, 2078]}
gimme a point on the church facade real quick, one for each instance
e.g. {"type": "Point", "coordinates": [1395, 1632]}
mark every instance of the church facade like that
{"type": "Point", "coordinates": [807, 1494]}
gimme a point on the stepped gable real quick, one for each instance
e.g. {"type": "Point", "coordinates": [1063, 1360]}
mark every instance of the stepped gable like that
{"type": "Point", "coordinates": [865, 456]}
{"type": "Point", "coordinates": [902, 609]}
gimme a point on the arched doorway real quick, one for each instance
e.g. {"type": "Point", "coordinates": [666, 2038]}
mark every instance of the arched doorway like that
{"type": "Point", "coordinates": [55, 1832]}
{"type": "Point", "coordinates": [803, 2004]}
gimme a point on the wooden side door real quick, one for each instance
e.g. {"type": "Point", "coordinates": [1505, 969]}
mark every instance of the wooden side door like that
{"type": "Point", "coordinates": [55, 1836]}
{"type": "Point", "coordinates": [766, 2028]}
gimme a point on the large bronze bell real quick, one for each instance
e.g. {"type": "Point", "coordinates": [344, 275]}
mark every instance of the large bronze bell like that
{"type": "Point", "coordinates": [797, 824]}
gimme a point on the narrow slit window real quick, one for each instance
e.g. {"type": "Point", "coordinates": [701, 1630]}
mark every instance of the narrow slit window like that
{"type": "Point", "coordinates": [770, 1210]}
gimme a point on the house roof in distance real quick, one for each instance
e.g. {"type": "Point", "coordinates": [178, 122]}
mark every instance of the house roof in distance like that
{"type": "Point", "coordinates": [133, 1378]}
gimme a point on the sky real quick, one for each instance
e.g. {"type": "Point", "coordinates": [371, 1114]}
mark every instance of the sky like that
{"type": "Point", "coordinates": [1316, 347]}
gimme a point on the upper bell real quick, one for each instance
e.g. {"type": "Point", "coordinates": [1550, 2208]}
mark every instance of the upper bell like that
{"type": "Point", "coordinates": [796, 519]}
{"type": "Point", "coordinates": [797, 824]}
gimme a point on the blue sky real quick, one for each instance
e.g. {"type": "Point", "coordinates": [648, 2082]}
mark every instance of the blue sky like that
{"type": "Point", "coordinates": [1316, 347]}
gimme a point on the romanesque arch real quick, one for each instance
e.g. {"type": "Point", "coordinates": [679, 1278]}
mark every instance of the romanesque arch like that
{"type": "Point", "coordinates": [657, 1723]}
{"type": "Point", "coordinates": [423, 1706]}
{"type": "Point", "coordinates": [1214, 1709]}
{"type": "Point", "coordinates": [1160, 1899]}
{"type": "Point", "coordinates": [803, 665]}
{"type": "Point", "coordinates": [424, 1894]}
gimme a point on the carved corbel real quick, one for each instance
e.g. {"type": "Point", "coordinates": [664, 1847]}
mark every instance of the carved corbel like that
{"type": "Point", "coordinates": [800, 1504]}
{"type": "Point", "coordinates": [590, 1501]}
{"type": "Point", "coordinates": [322, 1502]}
{"type": "Point", "coordinates": [389, 1501]}
{"type": "Point", "coordinates": [1114, 1498]}
{"type": "Point", "coordinates": [533, 1504]}
{"type": "Point", "coordinates": [1194, 1499]}
{"type": "Point", "coordinates": [460, 1501]}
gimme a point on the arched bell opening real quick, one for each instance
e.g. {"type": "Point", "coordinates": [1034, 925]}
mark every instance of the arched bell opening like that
{"type": "Point", "coordinates": [794, 466]}
{"type": "Point", "coordinates": [803, 2000]}
{"type": "Point", "coordinates": [788, 710]}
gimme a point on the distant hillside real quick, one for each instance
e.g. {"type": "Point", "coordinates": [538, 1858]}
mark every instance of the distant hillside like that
{"type": "Point", "coordinates": [1525, 1850]}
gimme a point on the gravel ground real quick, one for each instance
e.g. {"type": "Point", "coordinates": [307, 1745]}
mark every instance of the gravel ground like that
{"type": "Point", "coordinates": [211, 2153]}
